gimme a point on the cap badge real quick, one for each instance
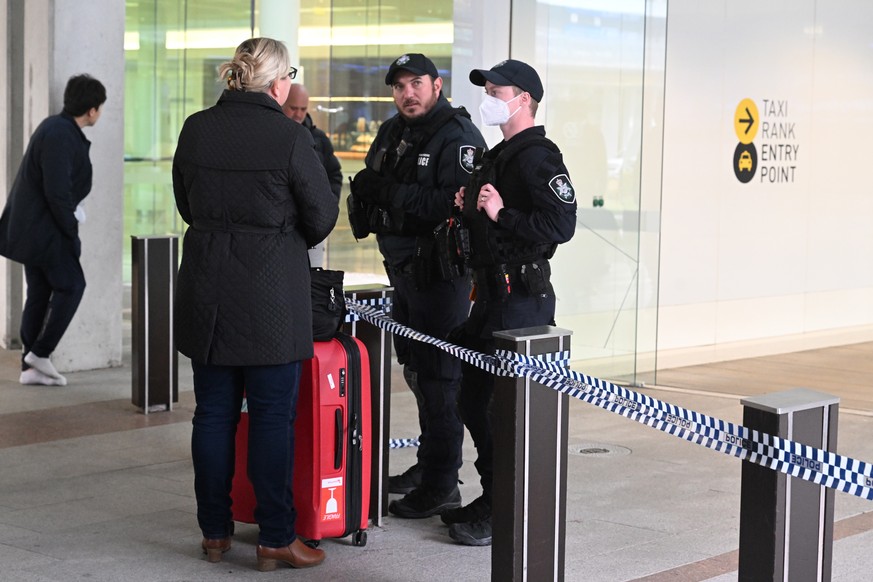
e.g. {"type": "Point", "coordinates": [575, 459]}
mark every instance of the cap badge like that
{"type": "Point", "coordinates": [402, 60]}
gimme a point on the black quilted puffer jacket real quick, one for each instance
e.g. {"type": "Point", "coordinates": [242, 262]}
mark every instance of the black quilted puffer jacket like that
{"type": "Point", "coordinates": [255, 196]}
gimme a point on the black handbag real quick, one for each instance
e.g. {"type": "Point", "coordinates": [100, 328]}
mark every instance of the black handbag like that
{"type": "Point", "coordinates": [328, 303]}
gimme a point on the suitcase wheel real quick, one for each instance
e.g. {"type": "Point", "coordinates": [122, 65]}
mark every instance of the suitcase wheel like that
{"type": "Point", "coordinates": [359, 538]}
{"type": "Point", "coordinates": [312, 543]}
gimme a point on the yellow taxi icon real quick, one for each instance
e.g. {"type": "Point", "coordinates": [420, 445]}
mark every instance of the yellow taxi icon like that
{"type": "Point", "coordinates": [745, 163]}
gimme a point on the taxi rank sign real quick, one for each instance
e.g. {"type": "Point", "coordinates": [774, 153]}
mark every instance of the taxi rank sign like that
{"type": "Point", "coordinates": [777, 160]}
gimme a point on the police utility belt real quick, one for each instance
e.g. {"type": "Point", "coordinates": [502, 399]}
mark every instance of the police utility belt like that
{"type": "Point", "coordinates": [427, 264]}
{"type": "Point", "coordinates": [500, 282]}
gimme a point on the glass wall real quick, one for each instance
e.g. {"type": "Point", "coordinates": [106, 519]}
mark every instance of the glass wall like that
{"type": "Point", "coordinates": [345, 51]}
{"type": "Point", "coordinates": [602, 66]}
{"type": "Point", "coordinates": [592, 56]}
{"type": "Point", "coordinates": [172, 50]}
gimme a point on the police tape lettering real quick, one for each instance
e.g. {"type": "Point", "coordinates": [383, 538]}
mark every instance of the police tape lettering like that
{"type": "Point", "coordinates": [625, 402]}
{"type": "Point", "coordinates": [672, 419]}
{"type": "Point", "coordinates": [735, 440]}
{"type": "Point", "coordinates": [789, 457]}
{"type": "Point", "coordinates": [807, 463]}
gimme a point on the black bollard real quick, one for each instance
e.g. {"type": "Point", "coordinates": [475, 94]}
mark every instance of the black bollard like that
{"type": "Point", "coordinates": [787, 524]}
{"type": "Point", "coordinates": [155, 365]}
{"type": "Point", "coordinates": [530, 466]}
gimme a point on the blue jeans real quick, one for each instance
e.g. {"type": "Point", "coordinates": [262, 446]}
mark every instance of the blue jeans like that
{"type": "Point", "coordinates": [271, 394]}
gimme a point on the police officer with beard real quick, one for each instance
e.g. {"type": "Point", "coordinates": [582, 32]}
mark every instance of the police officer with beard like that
{"type": "Point", "coordinates": [517, 208]}
{"type": "Point", "coordinates": [418, 161]}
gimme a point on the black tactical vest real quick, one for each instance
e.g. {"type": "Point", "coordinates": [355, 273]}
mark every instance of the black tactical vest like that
{"type": "Point", "coordinates": [398, 158]}
{"type": "Point", "coordinates": [490, 245]}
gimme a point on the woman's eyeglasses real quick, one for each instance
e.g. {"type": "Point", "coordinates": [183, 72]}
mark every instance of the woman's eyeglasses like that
{"type": "Point", "coordinates": [292, 73]}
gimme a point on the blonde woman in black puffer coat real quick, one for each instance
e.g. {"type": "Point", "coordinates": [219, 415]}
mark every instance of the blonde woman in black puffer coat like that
{"type": "Point", "coordinates": [256, 197]}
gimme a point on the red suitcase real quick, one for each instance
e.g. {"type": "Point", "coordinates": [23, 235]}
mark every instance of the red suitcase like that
{"type": "Point", "coordinates": [332, 446]}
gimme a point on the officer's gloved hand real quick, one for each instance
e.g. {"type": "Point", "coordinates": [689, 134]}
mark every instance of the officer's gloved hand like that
{"type": "Point", "coordinates": [370, 187]}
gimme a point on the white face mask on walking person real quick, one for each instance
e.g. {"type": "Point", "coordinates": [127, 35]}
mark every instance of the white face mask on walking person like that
{"type": "Point", "coordinates": [495, 111]}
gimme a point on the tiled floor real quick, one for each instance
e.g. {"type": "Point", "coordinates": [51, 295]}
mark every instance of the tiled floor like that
{"type": "Point", "coordinates": [92, 489]}
{"type": "Point", "coordinates": [845, 371]}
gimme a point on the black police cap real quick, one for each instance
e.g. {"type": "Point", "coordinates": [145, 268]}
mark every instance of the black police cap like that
{"type": "Point", "coordinates": [415, 63]}
{"type": "Point", "coordinates": [511, 72]}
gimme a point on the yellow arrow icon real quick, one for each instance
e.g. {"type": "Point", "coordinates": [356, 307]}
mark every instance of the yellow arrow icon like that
{"type": "Point", "coordinates": [746, 121]}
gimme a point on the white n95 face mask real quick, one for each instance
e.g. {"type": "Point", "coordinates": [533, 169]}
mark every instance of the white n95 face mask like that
{"type": "Point", "coordinates": [495, 111]}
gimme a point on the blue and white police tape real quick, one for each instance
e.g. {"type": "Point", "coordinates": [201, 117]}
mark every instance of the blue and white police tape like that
{"type": "Point", "coordinates": [402, 443]}
{"type": "Point", "coordinates": [792, 458]}
{"type": "Point", "coordinates": [383, 302]}
{"type": "Point", "coordinates": [789, 457]}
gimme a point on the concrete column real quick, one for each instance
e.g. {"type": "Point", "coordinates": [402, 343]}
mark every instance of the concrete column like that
{"type": "Point", "coordinates": [280, 19]}
{"type": "Point", "coordinates": [49, 41]}
{"type": "Point", "coordinates": [29, 69]}
{"type": "Point", "coordinates": [6, 267]}
{"type": "Point", "coordinates": [88, 37]}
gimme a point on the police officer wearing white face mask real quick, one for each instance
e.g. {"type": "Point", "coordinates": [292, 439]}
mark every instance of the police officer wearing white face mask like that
{"type": "Point", "coordinates": [518, 206]}
{"type": "Point", "coordinates": [495, 111]}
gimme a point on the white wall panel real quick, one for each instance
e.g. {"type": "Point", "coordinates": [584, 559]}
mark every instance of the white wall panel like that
{"type": "Point", "coordinates": [681, 326]}
{"type": "Point", "coordinates": [759, 317]}
{"type": "Point", "coordinates": [770, 259]}
{"type": "Point", "coordinates": [689, 220]}
{"type": "Point", "coordinates": [840, 243]}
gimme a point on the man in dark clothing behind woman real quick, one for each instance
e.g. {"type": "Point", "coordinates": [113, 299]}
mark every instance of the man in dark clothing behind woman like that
{"type": "Point", "coordinates": [296, 107]}
{"type": "Point", "coordinates": [250, 185]}
{"type": "Point", "coordinates": [40, 225]}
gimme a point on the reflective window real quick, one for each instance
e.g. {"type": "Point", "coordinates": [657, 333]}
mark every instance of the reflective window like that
{"type": "Point", "coordinates": [171, 52]}
{"type": "Point", "coordinates": [173, 48]}
{"type": "Point", "coordinates": [346, 81]}
{"type": "Point", "coordinates": [603, 87]}
{"type": "Point", "coordinates": [592, 56]}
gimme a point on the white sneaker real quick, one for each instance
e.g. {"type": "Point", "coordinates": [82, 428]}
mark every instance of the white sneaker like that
{"type": "Point", "coordinates": [44, 365]}
{"type": "Point", "coordinates": [34, 376]}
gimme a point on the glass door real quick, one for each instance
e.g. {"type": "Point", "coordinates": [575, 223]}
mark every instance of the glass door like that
{"type": "Point", "coordinates": [600, 68]}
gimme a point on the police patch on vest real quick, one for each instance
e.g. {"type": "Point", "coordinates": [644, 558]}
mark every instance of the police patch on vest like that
{"type": "Point", "coordinates": [467, 158]}
{"type": "Point", "coordinates": [562, 188]}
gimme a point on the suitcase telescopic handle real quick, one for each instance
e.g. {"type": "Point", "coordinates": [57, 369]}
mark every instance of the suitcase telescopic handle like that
{"type": "Point", "coordinates": [338, 439]}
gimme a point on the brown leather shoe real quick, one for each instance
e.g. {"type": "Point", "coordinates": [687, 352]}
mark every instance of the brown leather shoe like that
{"type": "Point", "coordinates": [214, 548]}
{"type": "Point", "coordinates": [297, 555]}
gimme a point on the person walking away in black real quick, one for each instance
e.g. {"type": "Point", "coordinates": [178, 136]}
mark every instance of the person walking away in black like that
{"type": "Point", "coordinates": [250, 186]}
{"type": "Point", "coordinates": [296, 107]}
{"type": "Point", "coordinates": [419, 159]}
{"type": "Point", "coordinates": [40, 225]}
{"type": "Point", "coordinates": [517, 208]}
